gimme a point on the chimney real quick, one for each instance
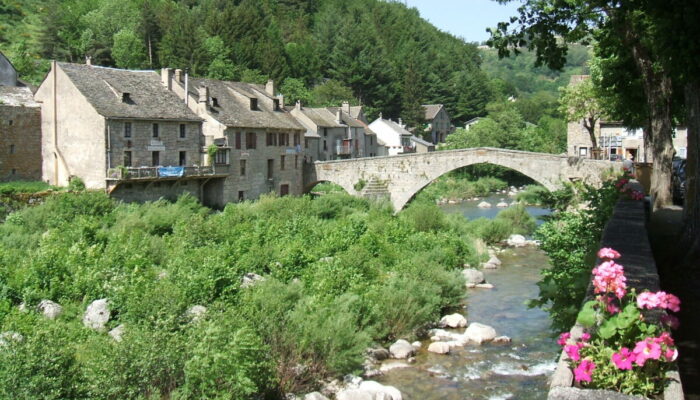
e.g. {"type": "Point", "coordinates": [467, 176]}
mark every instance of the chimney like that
{"type": "Point", "coordinates": [346, 107]}
{"type": "Point", "coordinates": [281, 100]}
{"type": "Point", "coordinates": [270, 87]}
{"type": "Point", "coordinates": [401, 122]}
{"type": "Point", "coordinates": [381, 116]}
{"type": "Point", "coordinates": [178, 75]}
{"type": "Point", "coordinates": [88, 60]}
{"type": "Point", "coordinates": [203, 95]}
{"type": "Point", "coordinates": [166, 77]}
{"type": "Point", "coordinates": [298, 105]}
{"type": "Point", "coordinates": [337, 116]}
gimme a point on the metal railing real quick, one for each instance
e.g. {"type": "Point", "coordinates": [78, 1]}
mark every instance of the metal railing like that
{"type": "Point", "coordinates": [146, 173]}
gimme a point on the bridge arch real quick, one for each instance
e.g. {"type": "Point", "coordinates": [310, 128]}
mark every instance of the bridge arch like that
{"type": "Point", "coordinates": [309, 186]}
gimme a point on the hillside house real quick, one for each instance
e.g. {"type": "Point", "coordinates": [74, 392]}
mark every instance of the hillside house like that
{"type": "Point", "coordinates": [439, 124]}
{"type": "Point", "coordinates": [20, 127]}
{"type": "Point", "coordinates": [121, 131]}
{"type": "Point", "coordinates": [259, 143]}
{"type": "Point", "coordinates": [396, 139]}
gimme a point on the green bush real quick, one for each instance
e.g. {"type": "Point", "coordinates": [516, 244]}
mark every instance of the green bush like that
{"type": "Point", "coordinates": [8, 188]}
{"type": "Point", "coordinates": [424, 216]}
{"type": "Point", "coordinates": [533, 194]}
{"type": "Point", "coordinates": [491, 231]}
{"type": "Point", "coordinates": [520, 221]}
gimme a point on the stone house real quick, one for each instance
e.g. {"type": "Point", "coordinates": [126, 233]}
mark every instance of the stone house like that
{"type": "Point", "coordinates": [20, 128]}
{"type": "Point", "coordinates": [422, 146]}
{"type": "Point", "coordinates": [333, 133]}
{"type": "Point", "coordinates": [258, 143]}
{"type": "Point", "coordinates": [439, 124]}
{"type": "Point", "coordinates": [396, 139]}
{"type": "Point", "coordinates": [122, 131]}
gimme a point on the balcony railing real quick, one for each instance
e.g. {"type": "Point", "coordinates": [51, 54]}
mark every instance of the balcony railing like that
{"type": "Point", "coordinates": [151, 173]}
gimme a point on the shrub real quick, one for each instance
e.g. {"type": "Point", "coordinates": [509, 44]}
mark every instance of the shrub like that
{"type": "Point", "coordinates": [533, 194]}
{"type": "Point", "coordinates": [491, 231]}
{"type": "Point", "coordinates": [521, 222]}
{"type": "Point", "coordinates": [424, 216]}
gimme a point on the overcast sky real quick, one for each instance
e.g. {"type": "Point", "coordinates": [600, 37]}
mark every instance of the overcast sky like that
{"type": "Point", "coordinates": [465, 18]}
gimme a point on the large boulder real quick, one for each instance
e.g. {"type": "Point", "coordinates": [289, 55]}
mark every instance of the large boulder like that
{"type": "Point", "coordinates": [380, 391]}
{"type": "Point", "coordinates": [50, 309]}
{"type": "Point", "coordinates": [250, 279]}
{"type": "Point", "coordinates": [502, 204]}
{"type": "Point", "coordinates": [484, 204]}
{"type": "Point", "coordinates": [97, 314]}
{"type": "Point", "coordinates": [453, 321]}
{"type": "Point", "coordinates": [315, 396]}
{"type": "Point", "coordinates": [492, 263]}
{"type": "Point", "coordinates": [439, 348]}
{"type": "Point", "coordinates": [473, 276]}
{"type": "Point", "coordinates": [196, 313]}
{"type": "Point", "coordinates": [479, 333]}
{"type": "Point", "coordinates": [378, 354]}
{"type": "Point", "coordinates": [401, 349]}
{"type": "Point", "coordinates": [354, 394]}
{"type": "Point", "coordinates": [516, 241]}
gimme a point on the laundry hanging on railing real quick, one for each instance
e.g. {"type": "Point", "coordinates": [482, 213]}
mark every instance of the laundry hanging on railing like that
{"type": "Point", "coordinates": [171, 171]}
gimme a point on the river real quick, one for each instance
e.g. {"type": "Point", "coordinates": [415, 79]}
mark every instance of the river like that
{"type": "Point", "coordinates": [517, 370]}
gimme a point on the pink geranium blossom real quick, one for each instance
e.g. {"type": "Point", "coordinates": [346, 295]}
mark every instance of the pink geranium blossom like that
{"type": "Point", "coordinates": [623, 359]}
{"type": "Point", "coordinates": [609, 277]}
{"type": "Point", "coordinates": [673, 303]}
{"type": "Point", "coordinates": [563, 338]}
{"type": "Point", "coordinates": [572, 350]}
{"type": "Point", "coordinates": [586, 336]}
{"type": "Point", "coordinates": [584, 371]}
{"type": "Point", "coordinates": [659, 299]}
{"type": "Point", "coordinates": [646, 349]}
{"type": "Point", "coordinates": [607, 253]}
{"type": "Point", "coordinates": [648, 300]}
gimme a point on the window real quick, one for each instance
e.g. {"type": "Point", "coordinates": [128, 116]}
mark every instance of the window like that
{"type": "Point", "coordinates": [325, 145]}
{"type": "Point", "coordinates": [127, 129]}
{"type": "Point", "coordinates": [276, 104]}
{"type": "Point", "coordinates": [183, 158]}
{"type": "Point", "coordinates": [297, 140]}
{"type": "Point", "coordinates": [284, 190]}
{"type": "Point", "coordinates": [241, 195]}
{"type": "Point", "coordinates": [296, 162]}
{"type": "Point", "coordinates": [306, 143]}
{"type": "Point", "coordinates": [583, 151]}
{"type": "Point", "coordinates": [370, 140]}
{"type": "Point", "coordinates": [271, 139]}
{"type": "Point", "coordinates": [270, 166]}
{"type": "Point", "coordinates": [682, 152]}
{"type": "Point", "coordinates": [183, 131]}
{"type": "Point", "coordinates": [12, 149]}
{"type": "Point", "coordinates": [214, 102]}
{"type": "Point", "coordinates": [242, 167]}
{"type": "Point", "coordinates": [14, 171]}
{"type": "Point", "coordinates": [281, 141]}
{"type": "Point", "coordinates": [155, 130]}
{"type": "Point", "coordinates": [282, 163]}
{"type": "Point", "coordinates": [10, 122]}
{"type": "Point", "coordinates": [238, 140]}
{"type": "Point", "coordinates": [222, 157]}
{"type": "Point", "coordinates": [127, 158]}
{"type": "Point", "coordinates": [250, 140]}
{"type": "Point", "coordinates": [155, 158]}
{"type": "Point", "coordinates": [325, 132]}
{"type": "Point", "coordinates": [253, 104]}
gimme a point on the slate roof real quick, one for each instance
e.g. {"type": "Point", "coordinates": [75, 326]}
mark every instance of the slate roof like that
{"type": "Point", "coordinates": [17, 96]}
{"type": "Point", "coordinates": [233, 106]}
{"type": "Point", "coordinates": [431, 110]}
{"type": "Point", "coordinates": [421, 141]}
{"type": "Point", "coordinates": [148, 98]}
{"type": "Point", "coordinates": [348, 119]}
{"type": "Point", "coordinates": [396, 127]}
{"type": "Point", "coordinates": [355, 111]}
{"type": "Point", "coordinates": [321, 117]}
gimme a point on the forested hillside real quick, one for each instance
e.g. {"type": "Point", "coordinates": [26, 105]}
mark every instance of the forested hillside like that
{"type": "Point", "coordinates": [390, 58]}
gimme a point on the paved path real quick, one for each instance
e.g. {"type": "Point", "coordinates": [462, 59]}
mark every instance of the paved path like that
{"type": "Point", "coordinates": [664, 231]}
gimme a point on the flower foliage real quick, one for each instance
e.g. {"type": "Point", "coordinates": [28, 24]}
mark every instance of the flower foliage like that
{"type": "Point", "coordinates": [621, 350]}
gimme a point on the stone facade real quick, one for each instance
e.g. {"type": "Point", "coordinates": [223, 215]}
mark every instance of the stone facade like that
{"type": "Point", "coordinates": [439, 123]}
{"type": "Point", "coordinates": [405, 175]}
{"type": "Point", "coordinates": [20, 135]}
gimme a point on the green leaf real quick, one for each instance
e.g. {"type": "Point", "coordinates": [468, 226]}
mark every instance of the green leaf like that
{"type": "Point", "coordinates": [586, 316]}
{"type": "Point", "coordinates": [608, 329]}
{"type": "Point", "coordinates": [628, 316]}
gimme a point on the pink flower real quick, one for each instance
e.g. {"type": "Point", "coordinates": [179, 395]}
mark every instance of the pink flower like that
{"type": "Point", "coordinates": [659, 299]}
{"type": "Point", "coordinates": [607, 253]}
{"type": "Point", "coordinates": [671, 354]}
{"type": "Point", "coordinates": [572, 351]}
{"type": "Point", "coordinates": [646, 349]}
{"type": "Point", "coordinates": [586, 336]}
{"type": "Point", "coordinates": [623, 359]}
{"type": "Point", "coordinates": [673, 303]}
{"type": "Point", "coordinates": [563, 338]}
{"type": "Point", "coordinates": [584, 371]}
{"type": "Point", "coordinates": [671, 320]}
{"type": "Point", "coordinates": [648, 300]}
{"type": "Point", "coordinates": [609, 277]}
{"type": "Point", "coordinates": [664, 338]}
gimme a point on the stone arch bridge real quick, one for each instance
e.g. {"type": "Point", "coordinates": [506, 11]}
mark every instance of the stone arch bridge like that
{"type": "Point", "coordinates": [401, 177]}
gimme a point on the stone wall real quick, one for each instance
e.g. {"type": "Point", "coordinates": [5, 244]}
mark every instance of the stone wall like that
{"type": "Point", "coordinates": [20, 143]}
{"type": "Point", "coordinates": [151, 191]}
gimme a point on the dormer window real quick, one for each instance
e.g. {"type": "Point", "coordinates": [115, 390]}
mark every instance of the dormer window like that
{"type": "Point", "coordinates": [126, 97]}
{"type": "Point", "coordinates": [214, 102]}
{"type": "Point", "coordinates": [276, 104]}
{"type": "Point", "coordinates": [253, 104]}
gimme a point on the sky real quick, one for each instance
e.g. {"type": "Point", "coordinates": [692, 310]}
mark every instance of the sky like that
{"type": "Point", "coordinates": [465, 18]}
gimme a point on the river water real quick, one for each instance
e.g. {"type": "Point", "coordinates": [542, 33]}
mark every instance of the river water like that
{"type": "Point", "coordinates": [516, 370]}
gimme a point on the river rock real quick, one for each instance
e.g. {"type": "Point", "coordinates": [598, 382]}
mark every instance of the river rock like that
{"type": "Point", "coordinates": [473, 276]}
{"type": "Point", "coordinates": [417, 345]}
{"type": "Point", "coordinates": [354, 394]}
{"type": "Point", "coordinates": [484, 204]}
{"type": "Point", "coordinates": [393, 364]}
{"type": "Point", "coordinates": [97, 314]}
{"type": "Point", "coordinates": [439, 348]}
{"type": "Point", "coordinates": [250, 279]}
{"type": "Point", "coordinates": [483, 286]}
{"type": "Point", "coordinates": [441, 335]}
{"type": "Point", "coordinates": [502, 339]}
{"type": "Point", "coordinates": [502, 204]}
{"type": "Point", "coordinates": [378, 354]}
{"type": "Point", "coordinates": [315, 396]}
{"type": "Point", "coordinates": [117, 333]}
{"type": "Point", "coordinates": [381, 392]}
{"type": "Point", "coordinates": [401, 349]}
{"type": "Point", "coordinates": [516, 241]}
{"type": "Point", "coordinates": [479, 333]}
{"type": "Point", "coordinates": [453, 321]}
{"type": "Point", "coordinates": [196, 312]}
{"type": "Point", "coordinates": [492, 263]}
{"type": "Point", "coordinates": [50, 309]}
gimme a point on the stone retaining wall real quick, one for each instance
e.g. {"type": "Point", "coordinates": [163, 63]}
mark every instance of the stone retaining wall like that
{"type": "Point", "coordinates": [625, 232]}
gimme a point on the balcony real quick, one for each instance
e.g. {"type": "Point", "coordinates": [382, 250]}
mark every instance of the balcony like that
{"type": "Point", "coordinates": [162, 173]}
{"type": "Point", "coordinates": [343, 150]}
